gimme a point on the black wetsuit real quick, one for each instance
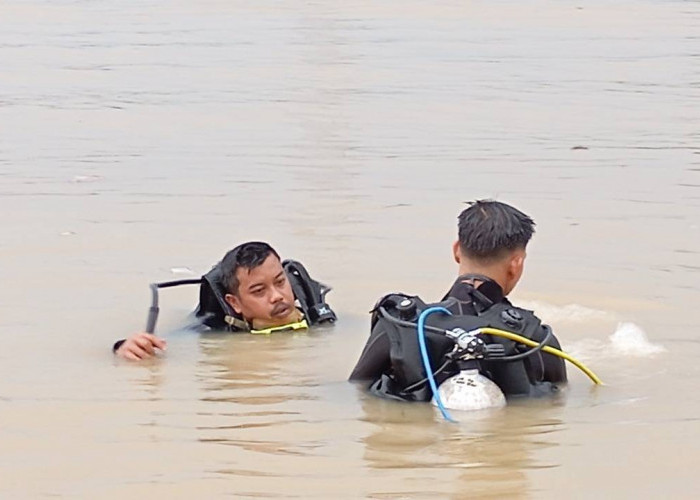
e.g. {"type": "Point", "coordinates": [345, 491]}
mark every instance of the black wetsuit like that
{"type": "Point", "coordinates": [541, 370]}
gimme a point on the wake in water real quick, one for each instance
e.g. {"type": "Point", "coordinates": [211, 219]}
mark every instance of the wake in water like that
{"type": "Point", "coordinates": [628, 339]}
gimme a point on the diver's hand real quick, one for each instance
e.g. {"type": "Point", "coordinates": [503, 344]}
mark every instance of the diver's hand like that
{"type": "Point", "coordinates": [140, 346]}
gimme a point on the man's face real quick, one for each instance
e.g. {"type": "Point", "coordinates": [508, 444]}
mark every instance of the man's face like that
{"type": "Point", "coordinates": [264, 297]}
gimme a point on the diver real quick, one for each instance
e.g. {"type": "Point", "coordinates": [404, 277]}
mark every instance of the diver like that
{"type": "Point", "coordinates": [490, 252]}
{"type": "Point", "coordinates": [250, 290]}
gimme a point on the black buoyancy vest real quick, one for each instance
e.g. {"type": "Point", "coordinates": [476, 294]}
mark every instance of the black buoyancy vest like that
{"type": "Point", "coordinates": [216, 313]}
{"type": "Point", "coordinates": [515, 378]}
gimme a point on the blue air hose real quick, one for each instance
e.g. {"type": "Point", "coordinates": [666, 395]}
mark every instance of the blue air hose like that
{"type": "Point", "coordinates": [426, 360]}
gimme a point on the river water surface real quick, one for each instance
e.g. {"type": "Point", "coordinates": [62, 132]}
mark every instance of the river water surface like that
{"type": "Point", "coordinates": [143, 139]}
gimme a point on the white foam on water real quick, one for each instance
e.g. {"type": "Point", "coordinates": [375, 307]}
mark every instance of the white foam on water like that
{"type": "Point", "coordinates": [630, 340]}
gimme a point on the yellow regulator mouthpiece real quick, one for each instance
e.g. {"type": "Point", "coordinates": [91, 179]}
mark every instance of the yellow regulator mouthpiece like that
{"type": "Point", "coordinates": [299, 325]}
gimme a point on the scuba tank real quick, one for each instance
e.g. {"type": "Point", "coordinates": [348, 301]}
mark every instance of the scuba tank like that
{"type": "Point", "coordinates": [479, 369]}
{"type": "Point", "coordinates": [466, 388]}
{"type": "Point", "coordinates": [469, 389]}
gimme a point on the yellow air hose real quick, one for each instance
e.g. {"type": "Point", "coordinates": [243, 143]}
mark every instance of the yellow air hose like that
{"type": "Point", "coordinates": [551, 350]}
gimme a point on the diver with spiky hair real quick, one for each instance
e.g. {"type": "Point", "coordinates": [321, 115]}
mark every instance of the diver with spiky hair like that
{"type": "Point", "coordinates": [490, 252]}
{"type": "Point", "coordinates": [250, 290]}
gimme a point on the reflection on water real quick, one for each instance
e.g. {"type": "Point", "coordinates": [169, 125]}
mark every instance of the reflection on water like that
{"type": "Point", "coordinates": [486, 453]}
{"type": "Point", "coordinates": [247, 374]}
{"type": "Point", "coordinates": [261, 403]}
{"type": "Point", "coordinates": [349, 135]}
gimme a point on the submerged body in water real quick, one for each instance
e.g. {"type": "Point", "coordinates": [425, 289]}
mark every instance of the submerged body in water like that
{"type": "Point", "coordinates": [392, 366]}
{"type": "Point", "coordinates": [490, 252]}
{"type": "Point", "coordinates": [250, 290]}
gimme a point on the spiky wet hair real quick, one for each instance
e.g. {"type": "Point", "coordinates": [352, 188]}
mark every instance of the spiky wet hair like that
{"type": "Point", "coordinates": [488, 229]}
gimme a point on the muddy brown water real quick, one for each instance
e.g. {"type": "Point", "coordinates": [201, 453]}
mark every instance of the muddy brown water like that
{"type": "Point", "coordinates": [142, 137]}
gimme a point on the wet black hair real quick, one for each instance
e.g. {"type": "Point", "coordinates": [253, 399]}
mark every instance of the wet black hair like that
{"type": "Point", "coordinates": [247, 256]}
{"type": "Point", "coordinates": [488, 229]}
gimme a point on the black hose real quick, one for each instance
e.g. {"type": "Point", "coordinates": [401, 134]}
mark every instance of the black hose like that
{"type": "Point", "coordinates": [385, 314]}
{"type": "Point", "coordinates": [516, 357]}
{"type": "Point", "coordinates": [423, 381]}
{"type": "Point", "coordinates": [530, 352]}
{"type": "Point", "coordinates": [153, 310]}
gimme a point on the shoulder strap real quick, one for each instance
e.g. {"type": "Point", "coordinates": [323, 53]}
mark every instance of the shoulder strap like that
{"type": "Point", "coordinates": [506, 316]}
{"type": "Point", "coordinates": [213, 309]}
{"type": "Point", "coordinates": [310, 293]}
{"type": "Point", "coordinates": [478, 298]}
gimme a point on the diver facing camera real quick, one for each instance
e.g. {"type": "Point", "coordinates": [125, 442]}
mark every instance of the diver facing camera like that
{"type": "Point", "coordinates": [250, 290]}
{"type": "Point", "coordinates": [475, 339]}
